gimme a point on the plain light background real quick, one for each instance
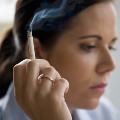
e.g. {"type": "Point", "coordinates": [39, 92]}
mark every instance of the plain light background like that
{"type": "Point", "coordinates": [113, 92]}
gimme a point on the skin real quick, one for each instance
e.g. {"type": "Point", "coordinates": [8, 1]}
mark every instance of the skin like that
{"type": "Point", "coordinates": [82, 55]}
{"type": "Point", "coordinates": [82, 66]}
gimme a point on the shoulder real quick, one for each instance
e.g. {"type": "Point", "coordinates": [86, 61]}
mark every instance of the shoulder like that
{"type": "Point", "coordinates": [105, 111]}
{"type": "Point", "coordinates": [9, 106]}
{"type": "Point", "coordinates": [4, 103]}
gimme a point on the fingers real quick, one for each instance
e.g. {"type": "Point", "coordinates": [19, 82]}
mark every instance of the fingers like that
{"type": "Point", "coordinates": [25, 74]}
{"type": "Point", "coordinates": [18, 71]}
{"type": "Point", "coordinates": [33, 70]}
{"type": "Point", "coordinates": [35, 94]}
{"type": "Point", "coordinates": [61, 86]}
{"type": "Point", "coordinates": [26, 79]}
{"type": "Point", "coordinates": [47, 82]}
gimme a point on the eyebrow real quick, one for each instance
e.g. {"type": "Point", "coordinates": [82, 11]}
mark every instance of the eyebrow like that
{"type": "Point", "coordinates": [95, 36]}
{"type": "Point", "coordinates": [91, 36]}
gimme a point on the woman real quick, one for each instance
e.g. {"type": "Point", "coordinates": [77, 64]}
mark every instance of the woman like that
{"type": "Point", "coordinates": [72, 47]}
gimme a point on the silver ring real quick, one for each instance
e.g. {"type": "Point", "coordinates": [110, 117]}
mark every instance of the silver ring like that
{"type": "Point", "coordinates": [45, 76]}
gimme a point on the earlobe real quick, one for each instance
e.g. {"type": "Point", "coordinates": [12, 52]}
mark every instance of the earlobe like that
{"type": "Point", "coordinates": [39, 53]}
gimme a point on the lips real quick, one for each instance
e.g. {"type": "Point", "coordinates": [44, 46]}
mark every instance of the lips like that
{"type": "Point", "coordinates": [99, 88]}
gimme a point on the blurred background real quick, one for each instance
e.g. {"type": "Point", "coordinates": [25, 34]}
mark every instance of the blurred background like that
{"type": "Point", "coordinates": [113, 91]}
{"type": "Point", "coordinates": [7, 8]}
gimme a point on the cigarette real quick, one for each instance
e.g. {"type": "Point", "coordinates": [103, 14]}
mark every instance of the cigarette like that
{"type": "Point", "coordinates": [31, 45]}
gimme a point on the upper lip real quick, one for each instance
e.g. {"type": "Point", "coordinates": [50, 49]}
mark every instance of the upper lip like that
{"type": "Point", "coordinates": [99, 85]}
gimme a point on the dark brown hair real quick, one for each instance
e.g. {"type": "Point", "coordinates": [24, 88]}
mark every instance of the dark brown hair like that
{"type": "Point", "coordinates": [25, 11]}
{"type": "Point", "coordinates": [8, 58]}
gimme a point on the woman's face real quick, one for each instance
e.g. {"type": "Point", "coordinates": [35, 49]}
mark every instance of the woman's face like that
{"type": "Point", "coordinates": [82, 55]}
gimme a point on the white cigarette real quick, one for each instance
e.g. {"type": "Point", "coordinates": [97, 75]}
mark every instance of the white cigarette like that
{"type": "Point", "coordinates": [31, 45]}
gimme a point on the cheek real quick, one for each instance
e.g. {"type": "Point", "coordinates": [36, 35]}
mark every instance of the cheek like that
{"type": "Point", "coordinates": [79, 70]}
{"type": "Point", "coordinates": [75, 68]}
{"type": "Point", "coordinates": [78, 73]}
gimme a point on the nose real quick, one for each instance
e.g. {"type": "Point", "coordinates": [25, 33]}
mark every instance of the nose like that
{"type": "Point", "coordinates": [106, 62]}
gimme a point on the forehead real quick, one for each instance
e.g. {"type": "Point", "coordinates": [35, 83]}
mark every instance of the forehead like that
{"type": "Point", "coordinates": [97, 16]}
{"type": "Point", "coordinates": [97, 12]}
{"type": "Point", "coordinates": [99, 19]}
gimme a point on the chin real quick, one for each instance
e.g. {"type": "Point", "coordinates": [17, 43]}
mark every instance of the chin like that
{"type": "Point", "coordinates": [87, 105]}
{"type": "Point", "coordinates": [92, 104]}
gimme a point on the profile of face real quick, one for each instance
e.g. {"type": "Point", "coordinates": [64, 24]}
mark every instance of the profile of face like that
{"type": "Point", "coordinates": [82, 54]}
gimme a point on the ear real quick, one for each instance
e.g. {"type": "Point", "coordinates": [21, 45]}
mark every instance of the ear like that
{"type": "Point", "coordinates": [39, 52]}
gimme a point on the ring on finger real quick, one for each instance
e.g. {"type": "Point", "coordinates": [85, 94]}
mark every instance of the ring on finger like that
{"type": "Point", "coordinates": [46, 77]}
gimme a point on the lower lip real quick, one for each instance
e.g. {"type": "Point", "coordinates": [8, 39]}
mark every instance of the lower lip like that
{"type": "Point", "coordinates": [99, 90]}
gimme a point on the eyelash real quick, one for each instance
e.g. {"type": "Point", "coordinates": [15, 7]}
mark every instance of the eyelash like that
{"type": "Point", "coordinates": [89, 48]}
{"type": "Point", "coordinates": [112, 48]}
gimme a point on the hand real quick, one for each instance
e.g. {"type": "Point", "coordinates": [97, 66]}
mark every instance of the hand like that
{"type": "Point", "coordinates": [39, 97]}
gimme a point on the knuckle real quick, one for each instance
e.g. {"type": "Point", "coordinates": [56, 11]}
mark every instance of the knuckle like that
{"type": "Point", "coordinates": [66, 82]}
{"type": "Point", "coordinates": [46, 62]}
{"type": "Point", "coordinates": [16, 67]}
{"type": "Point", "coordinates": [50, 69]}
{"type": "Point", "coordinates": [31, 63]}
{"type": "Point", "coordinates": [37, 63]}
{"type": "Point", "coordinates": [21, 65]}
{"type": "Point", "coordinates": [63, 81]}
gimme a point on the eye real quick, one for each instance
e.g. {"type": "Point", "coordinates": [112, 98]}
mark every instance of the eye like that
{"type": "Point", "coordinates": [112, 48]}
{"type": "Point", "coordinates": [113, 45]}
{"type": "Point", "coordinates": [87, 47]}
